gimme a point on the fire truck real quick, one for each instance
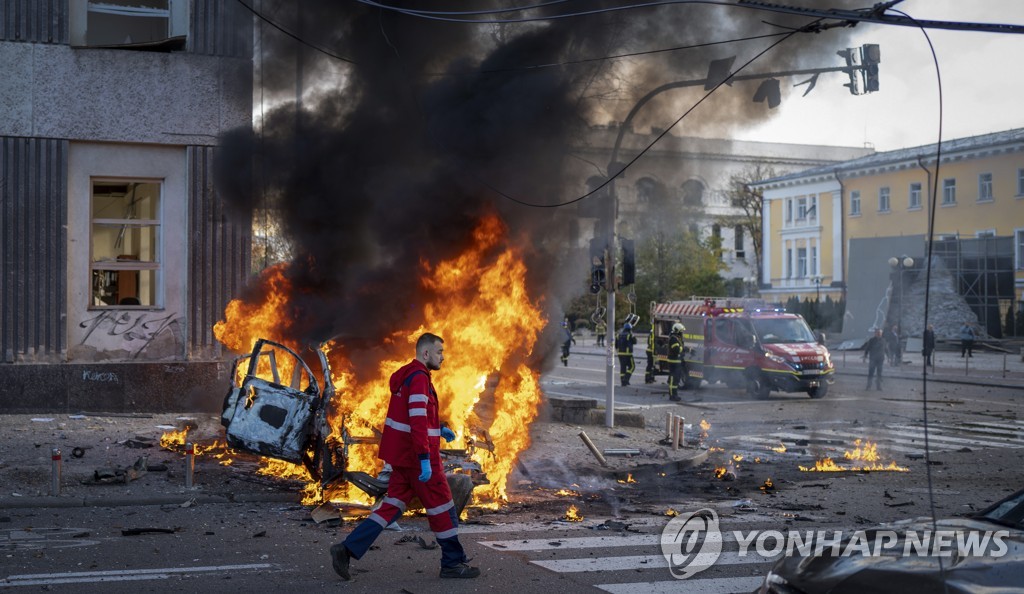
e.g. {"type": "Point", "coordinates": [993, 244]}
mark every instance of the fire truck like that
{"type": "Point", "coordinates": [744, 343]}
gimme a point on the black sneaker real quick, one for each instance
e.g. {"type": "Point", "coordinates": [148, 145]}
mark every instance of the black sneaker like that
{"type": "Point", "coordinates": [460, 571]}
{"type": "Point", "coordinates": [340, 558]}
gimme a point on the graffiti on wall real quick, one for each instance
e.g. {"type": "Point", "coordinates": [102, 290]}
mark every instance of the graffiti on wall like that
{"type": "Point", "coordinates": [133, 331]}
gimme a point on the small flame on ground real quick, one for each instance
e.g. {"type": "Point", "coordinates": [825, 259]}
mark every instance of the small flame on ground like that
{"type": "Point", "coordinates": [737, 457]}
{"type": "Point", "coordinates": [867, 453]}
{"type": "Point", "coordinates": [704, 425]}
{"type": "Point", "coordinates": [567, 493]}
{"type": "Point", "coordinates": [767, 486]}
{"type": "Point", "coordinates": [828, 465]}
{"type": "Point", "coordinates": [629, 480]}
{"type": "Point", "coordinates": [573, 514]}
{"type": "Point", "coordinates": [780, 449]}
{"type": "Point", "coordinates": [671, 513]}
{"type": "Point", "coordinates": [171, 439]}
{"type": "Point", "coordinates": [720, 472]}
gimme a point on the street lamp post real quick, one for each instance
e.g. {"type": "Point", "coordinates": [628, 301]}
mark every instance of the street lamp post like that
{"type": "Point", "coordinates": [899, 265]}
{"type": "Point", "coordinates": [817, 302]}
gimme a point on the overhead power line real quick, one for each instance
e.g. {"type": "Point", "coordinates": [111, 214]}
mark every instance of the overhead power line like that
{"type": "Point", "coordinates": [877, 15]}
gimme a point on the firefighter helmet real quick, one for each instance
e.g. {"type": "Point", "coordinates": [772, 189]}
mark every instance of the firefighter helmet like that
{"type": "Point", "coordinates": [678, 328]}
{"type": "Point", "coordinates": [627, 326]}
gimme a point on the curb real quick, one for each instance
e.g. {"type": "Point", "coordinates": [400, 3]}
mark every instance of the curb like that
{"type": "Point", "coordinates": [68, 502]}
{"type": "Point", "coordinates": [989, 382]}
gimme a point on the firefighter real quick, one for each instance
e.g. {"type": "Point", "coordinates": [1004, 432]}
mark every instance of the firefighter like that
{"type": "Point", "coordinates": [676, 365]}
{"type": "Point", "coordinates": [569, 340]}
{"type": "Point", "coordinates": [649, 372]}
{"type": "Point", "coordinates": [411, 444]}
{"type": "Point", "coordinates": [624, 348]}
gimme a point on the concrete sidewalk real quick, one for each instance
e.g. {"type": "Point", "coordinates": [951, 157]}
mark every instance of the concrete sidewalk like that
{"type": "Point", "coordinates": [990, 369]}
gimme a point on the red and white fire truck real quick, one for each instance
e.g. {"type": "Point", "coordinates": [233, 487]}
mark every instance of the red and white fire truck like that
{"type": "Point", "coordinates": [743, 343]}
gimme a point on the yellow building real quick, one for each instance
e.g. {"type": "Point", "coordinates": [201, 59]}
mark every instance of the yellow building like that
{"type": "Point", "coordinates": [811, 219]}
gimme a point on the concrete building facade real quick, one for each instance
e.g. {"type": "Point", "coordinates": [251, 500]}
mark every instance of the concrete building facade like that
{"type": "Point", "coordinates": [116, 255]}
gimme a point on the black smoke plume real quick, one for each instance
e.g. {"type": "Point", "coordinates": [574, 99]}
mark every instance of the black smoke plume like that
{"type": "Point", "coordinates": [389, 158]}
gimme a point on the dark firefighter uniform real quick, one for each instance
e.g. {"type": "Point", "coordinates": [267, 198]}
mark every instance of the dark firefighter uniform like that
{"type": "Point", "coordinates": [569, 340]}
{"type": "Point", "coordinates": [676, 367]}
{"type": "Point", "coordinates": [649, 372]}
{"type": "Point", "coordinates": [412, 432]}
{"type": "Point", "coordinates": [624, 348]}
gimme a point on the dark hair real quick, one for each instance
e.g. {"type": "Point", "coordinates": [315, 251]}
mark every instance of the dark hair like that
{"type": "Point", "coordinates": [427, 339]}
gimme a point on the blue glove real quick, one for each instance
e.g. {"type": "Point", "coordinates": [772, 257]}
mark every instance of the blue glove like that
{"type": "Point", "coordinates": [425, 471]}
{"type": "Point", "coordinates": [447, 434]}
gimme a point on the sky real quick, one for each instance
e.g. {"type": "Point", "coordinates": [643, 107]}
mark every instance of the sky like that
{"type": "Point", "coordinates": [982, 90]}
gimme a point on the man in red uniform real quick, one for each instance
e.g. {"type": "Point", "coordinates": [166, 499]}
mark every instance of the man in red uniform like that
{"type": "Point", "coordinates": [411, 444]}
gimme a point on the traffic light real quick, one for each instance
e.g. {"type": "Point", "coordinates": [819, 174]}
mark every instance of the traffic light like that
{"type": "Point", "coordinates": [870, 57]}
{"type": "Point", "coordinates": [851, 69]}
{"type": "Point", "coordinates": [628, 262]}
{"type": "Point", "coordinates": [597, 271]}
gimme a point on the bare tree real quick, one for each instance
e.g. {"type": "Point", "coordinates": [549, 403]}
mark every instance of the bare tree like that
{"type": "Point", "coordinates": [749, 202]}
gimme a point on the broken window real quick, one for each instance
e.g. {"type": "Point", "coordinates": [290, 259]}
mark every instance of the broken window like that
{"type": "Point", "coordinates": [160, 25]}
{"type": "Point", "coordinates": [125, 243]}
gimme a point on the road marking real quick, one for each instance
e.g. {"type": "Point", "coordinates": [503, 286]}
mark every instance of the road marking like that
{"type": "Point", "coordinates": [693, 586]}
{"type": "Point", "coordinates": [938, 433]}
{"type": "Point", "coordinates": [632, 562]}
{"type": "Point", "coordinates": [589, 542]}
{"type": "Point", "coordinates": [119, 575]}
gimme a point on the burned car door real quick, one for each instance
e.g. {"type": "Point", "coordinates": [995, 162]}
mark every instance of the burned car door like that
{"type": "Point", "coordinates": [264, 416]}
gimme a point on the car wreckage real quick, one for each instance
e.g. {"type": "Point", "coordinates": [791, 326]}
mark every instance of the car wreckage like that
{"type": "Point", "coordinates": [288, 419]}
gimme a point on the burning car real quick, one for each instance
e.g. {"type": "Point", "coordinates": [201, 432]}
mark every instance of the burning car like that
{"type": "Point", "coordinates": [980, 553]}
{"type": "Point", "coordinates": [279, 408]}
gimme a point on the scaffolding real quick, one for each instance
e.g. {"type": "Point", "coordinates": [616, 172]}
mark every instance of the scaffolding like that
{"type": "Point", "coordinates": [983, 271]}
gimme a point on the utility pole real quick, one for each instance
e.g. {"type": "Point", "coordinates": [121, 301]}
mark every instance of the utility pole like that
{"type": "Point", "coordinates": [717, 74]}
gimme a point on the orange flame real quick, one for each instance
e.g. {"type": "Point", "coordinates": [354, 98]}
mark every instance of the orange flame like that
{"type": "Point", "coordinates": [490, 325]}
{"type": "Point", "coordinates": [780, 449]}
{"type": "Point", "coordinates": [567, 493]}
{"type": "Point", "coordinates": [629, 480]}
{"type": "Point", "coordinates": [573, 514]}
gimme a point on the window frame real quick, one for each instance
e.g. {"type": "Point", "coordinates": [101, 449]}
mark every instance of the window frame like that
{"type": "Point", "coordinates": [127, 265]}
{"type": "Point", "coordinates": [854, 203]}
{"type": "Point", "coordinates": [914, 196]}
{"type": "Point", "coordinates": [949, 191]}
{"type": "Point", "coordinates": [884, 199]}
{"type": "Point", "coordinates": [176, 14]}
{"type": "Point", "coordinates": [985, 188]}
{"type": "Point", "coordinates": [1018, 248]}
{"type": "Point", "coordinates": [801, 262]}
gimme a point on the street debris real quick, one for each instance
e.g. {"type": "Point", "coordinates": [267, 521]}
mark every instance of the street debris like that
{"type": "Point", "coordinates": [593, 449]}
{"type": "Point", "coordinates": [138, 531]}
{"type": "Point", "coordinates": [137, 442]}
{"type": "Point", "coordinates": [418, 540]}
{"type": "Point", "coordinates": [119, 474]}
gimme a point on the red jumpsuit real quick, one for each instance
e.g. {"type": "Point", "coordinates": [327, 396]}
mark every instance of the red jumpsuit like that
{"type": "Point", "coordinates": [412, 432]}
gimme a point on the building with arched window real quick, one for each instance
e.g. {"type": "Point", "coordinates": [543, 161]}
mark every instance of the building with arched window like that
{"type": "Point", "coordinates": [683, 181]}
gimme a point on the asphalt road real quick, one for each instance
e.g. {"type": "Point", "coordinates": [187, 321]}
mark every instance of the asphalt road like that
{"type": "Point", "coordinates": [974, 441]}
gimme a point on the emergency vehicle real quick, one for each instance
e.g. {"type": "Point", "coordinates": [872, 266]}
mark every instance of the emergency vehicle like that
{"type": "Point", "coordinates": [743, 343]}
